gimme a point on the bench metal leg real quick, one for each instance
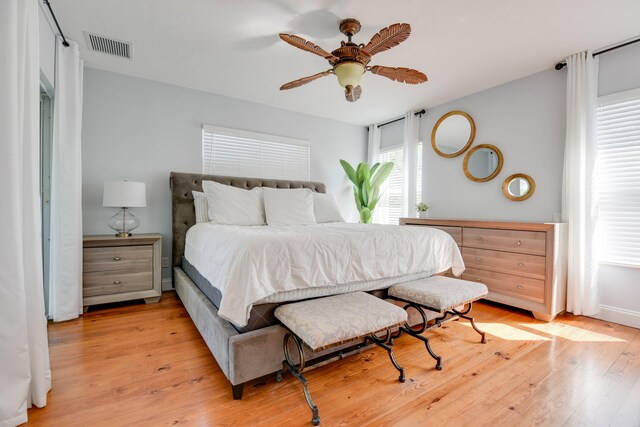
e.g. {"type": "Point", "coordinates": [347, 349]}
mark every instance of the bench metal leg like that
{"type": "Point", "coordinates": [297, 372]}
{"type": "Point", "coordinates": [382, 343]}
{"type": "Point", "coordinates": [425, 340]}
{"type": "Point", "coordinates": [417, 333]}
{"type": "Point", "coordinates": [464, 315]}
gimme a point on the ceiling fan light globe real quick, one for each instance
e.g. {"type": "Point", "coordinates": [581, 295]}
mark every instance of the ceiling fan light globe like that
{"type": "Point", "coordinates": [349, 73]}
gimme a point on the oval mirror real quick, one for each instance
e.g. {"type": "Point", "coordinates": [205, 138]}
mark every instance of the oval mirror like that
{"type": "Point", "coordinates": [453, 134]}
{"type": "Point", "coordinates": [518, 187]}
{"type": "Point", "coordinates": [483, 162]}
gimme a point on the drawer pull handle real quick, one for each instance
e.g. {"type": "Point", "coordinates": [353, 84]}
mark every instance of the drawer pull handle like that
{"type": "Point", "coordinates": [116, 258]}
{"type": "Point", "coordinates": [116, 282]}
{"type": "Point", "coordinates": [520, 287]}
{"type": "Point", "coordinates": [520, 264]}
{"type": "Point", "coordinates": [478, 279]}
{"type": "Point", "coordinates": [478, 258]}
{"type": "Point", "coordinates": [518, 243]}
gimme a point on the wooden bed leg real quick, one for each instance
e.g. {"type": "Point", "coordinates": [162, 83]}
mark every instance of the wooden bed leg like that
{"type": "Point", "coordinates": [237, 391]}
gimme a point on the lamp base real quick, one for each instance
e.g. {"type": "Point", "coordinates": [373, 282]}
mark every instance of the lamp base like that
{"type": "Point", "coordinates": [123, 222]}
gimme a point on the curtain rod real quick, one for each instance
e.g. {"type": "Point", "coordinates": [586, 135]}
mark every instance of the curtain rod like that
{"type": "Point", "coordinates": [53, 15]}
{"type": "Point", "coordinates": [417, 113]}
{"type": "Point", "coordinates": [561, 65]}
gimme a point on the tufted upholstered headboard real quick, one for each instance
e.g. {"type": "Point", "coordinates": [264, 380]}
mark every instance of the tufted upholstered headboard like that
{"type": "Point", "coordinates": [182, 210]}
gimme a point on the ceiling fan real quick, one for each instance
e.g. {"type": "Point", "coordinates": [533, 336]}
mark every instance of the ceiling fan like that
{"type": "Point", "coordinates": [350, 61]}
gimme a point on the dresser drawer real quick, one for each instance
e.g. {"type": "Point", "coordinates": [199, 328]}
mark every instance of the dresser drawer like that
{"type": "Point", "coordinates": [526, 242]}
{"type": "Point", "coordinates": [532, 266]}
{"type": "Point", "coordinates": [507, 284]}
{"type": "Point", "coordinates": [134, 259]}
{"type": "Point", "coordinates": [455, 232]}
{"type": "Point", "coordinates": [103, 283]}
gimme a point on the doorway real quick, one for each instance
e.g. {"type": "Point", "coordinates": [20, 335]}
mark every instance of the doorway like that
{"type": "Point", "coordinates": [46, 144]}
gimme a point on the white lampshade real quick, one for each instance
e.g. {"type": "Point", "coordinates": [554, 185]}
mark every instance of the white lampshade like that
{"type": "Point", "coordinates": [124, 194]}
{"type": "Point", "coordinates": [349, 73]}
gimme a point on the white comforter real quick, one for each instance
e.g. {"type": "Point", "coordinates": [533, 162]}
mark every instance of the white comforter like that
{"type": "Point", "coordinates": [251, 264]}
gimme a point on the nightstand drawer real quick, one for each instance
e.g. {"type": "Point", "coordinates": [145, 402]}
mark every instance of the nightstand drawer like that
{"type": "Point", "coordinates": [526, 242]}
{"type": "Point", "coordinates": [505, 262]}
{"type": "Point", "coordinates": [102, 283]}
{"type": "Point", "coordinates": [134, 259]}
{"type": "Point", "coordinates": [506, 284]}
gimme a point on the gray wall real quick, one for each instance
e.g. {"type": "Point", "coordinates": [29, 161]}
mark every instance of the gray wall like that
{"type": "Point", "coordinates": [620, 286]}
{"type": "Point", "coordinates": [525, 119]}
{"type": "Point", "coordinates": [141, 130]}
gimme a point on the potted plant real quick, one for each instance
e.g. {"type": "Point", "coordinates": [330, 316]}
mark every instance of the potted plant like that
{"type": "Point", "coordinates": [422, 209]}
{"type": "Point", "coordinates": [366, 185]}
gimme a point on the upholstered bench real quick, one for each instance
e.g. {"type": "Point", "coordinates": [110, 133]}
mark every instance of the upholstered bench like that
{"type": "Point", "coordinates": [325, 322]}
{"type": "Point", "coordinates": [442, 295]}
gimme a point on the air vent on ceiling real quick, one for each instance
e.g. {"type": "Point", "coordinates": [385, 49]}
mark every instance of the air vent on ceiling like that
{"type": "Point", "coordinates": [108, 45]}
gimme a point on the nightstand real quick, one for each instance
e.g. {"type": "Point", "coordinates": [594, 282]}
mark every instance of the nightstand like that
{"type": "Point", "coordinates": [121, 268]}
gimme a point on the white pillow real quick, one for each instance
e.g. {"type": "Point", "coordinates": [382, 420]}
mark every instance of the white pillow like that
{"type": "Point", "coordinates": [326, 209]}
{"type": "Point", "coordinates": [288, 207]}
{"type": "Point", "coordinates": [201, 206]}
{"type": "Point", "coordinates": [233, 206]}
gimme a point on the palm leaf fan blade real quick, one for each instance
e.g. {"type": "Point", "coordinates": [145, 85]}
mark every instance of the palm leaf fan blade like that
{"type": "Point", "coordinates": [387, 38]}
{"type": "Point", "coordinates": [400, 74]}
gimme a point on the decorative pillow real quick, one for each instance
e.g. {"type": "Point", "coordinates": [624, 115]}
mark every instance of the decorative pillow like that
{"type": "Point", "coordinates": [288, 207]}
{"type": "Point", "coordinates": [326, 209]}
{"type": "Point", "coordinates": [233, 206]}
{"type": "Point", "coordinates": [201, 206]}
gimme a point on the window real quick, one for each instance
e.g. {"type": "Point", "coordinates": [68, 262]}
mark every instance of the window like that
{"type": "Point", "coordinates": [618, 177]}
{"type": "Point", "coordinates": [240, 153]}
{"type": "Point", "coordinates": [389, 208]}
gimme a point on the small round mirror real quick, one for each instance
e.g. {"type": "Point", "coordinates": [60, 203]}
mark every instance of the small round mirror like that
{"type": "Point", "coordinates": [518, 187]}
{"type": "Point", "coordinates": [453, 134]}
{"type": "Point", "coordinates": [483, 162]}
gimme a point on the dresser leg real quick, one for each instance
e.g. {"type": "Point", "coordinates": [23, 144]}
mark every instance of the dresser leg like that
{"type": "Point", "coordinates": [542, 316]}
{"type": "Point", "coordinates": [151, 300]}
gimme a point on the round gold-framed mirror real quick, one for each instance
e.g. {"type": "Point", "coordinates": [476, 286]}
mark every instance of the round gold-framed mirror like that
{"type": "Point", "coordinates": [453, 133]}
{"type": "Point", "coordinates": [518, 187]}
{"type": "Point", "coordinates": [483, 163]}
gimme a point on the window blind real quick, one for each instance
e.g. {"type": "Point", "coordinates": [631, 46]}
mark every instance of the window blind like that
{"type": "Point", "coordinates": [389, 208]}
{"type": "Point", "coordinates": [618, 177]}
{"type": "Point", "coordinates": [235, 152]}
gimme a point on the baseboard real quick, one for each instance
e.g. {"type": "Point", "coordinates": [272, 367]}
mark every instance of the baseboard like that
{"type": "Point", "coordinates": [167, 284]}
{"type": "Point", "coordinates": [619, 315]}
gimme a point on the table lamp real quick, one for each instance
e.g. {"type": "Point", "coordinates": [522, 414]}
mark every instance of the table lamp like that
{"type": "Point", "coordinates": [124, 195]}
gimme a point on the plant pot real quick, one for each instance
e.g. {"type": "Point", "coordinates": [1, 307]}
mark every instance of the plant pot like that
{"type": "Point", "coordinates": [423, 214]}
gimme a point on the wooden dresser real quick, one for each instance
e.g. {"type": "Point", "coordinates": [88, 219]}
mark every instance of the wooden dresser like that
{"type": "Point", "coordinates": [121, 268]}
{"type": "Point", "coordinates": [522, 263]}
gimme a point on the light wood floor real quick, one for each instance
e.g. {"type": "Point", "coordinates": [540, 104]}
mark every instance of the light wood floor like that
{"type": "Point", "coordinates": [147, 365]}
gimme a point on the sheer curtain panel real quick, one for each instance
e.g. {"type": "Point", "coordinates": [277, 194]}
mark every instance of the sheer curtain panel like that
{"type": "Point", "coordinates": [373, 151]}
{"type": "Point", "coordinates": [410, 158]}
{"type": "Point", "coordinates": [25, 376]}
{"type": "Point", "coordinates": [65, 267]}
{"type": "Point", "coordinates": [578, 192]}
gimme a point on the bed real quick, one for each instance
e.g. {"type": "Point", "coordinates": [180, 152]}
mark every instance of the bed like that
{"type": "Point", "coordinates": [221, 274]}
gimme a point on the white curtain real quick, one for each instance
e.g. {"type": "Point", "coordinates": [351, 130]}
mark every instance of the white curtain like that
{"type": "Point", "coordinates": [65, 272]}
{"type": "Point", "coordinates": [578, 198]}
{"type": "Point", "coordinates": [410, 160]}
{"type": "Point", "coordinates": [374, 144]}
{"type": "Point", "coordinates": [25, 376]}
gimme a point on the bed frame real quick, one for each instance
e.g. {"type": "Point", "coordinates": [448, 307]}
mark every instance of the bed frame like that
{"type": "Point", "coordinates": [241, 356]}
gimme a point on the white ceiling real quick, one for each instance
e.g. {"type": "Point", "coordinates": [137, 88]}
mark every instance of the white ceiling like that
{"type": "Point", "coordinates": [231, 47]}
